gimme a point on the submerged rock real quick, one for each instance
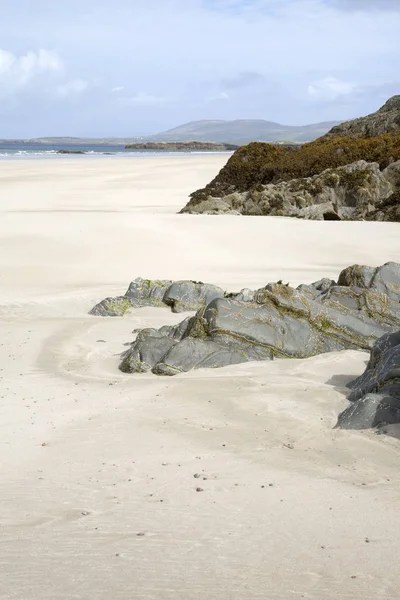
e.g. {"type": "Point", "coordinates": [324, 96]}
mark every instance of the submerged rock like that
{"type": "Point", "coordinates": [375, 396]}
{"type": "Point", "coordinates": [70, 152]}
{"type": "Point", "coordinates": [276, 321]}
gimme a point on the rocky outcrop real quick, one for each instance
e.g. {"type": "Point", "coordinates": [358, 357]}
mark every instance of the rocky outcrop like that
{"type": "Point", "coordinates": [356, 191]}
{"type": "Point", "coordinates": [183, 146]}
{"type": "Point", "coordinates": [384, 120]}
{"type": "Point", "coordinates": [181, 296]}
{"type": "Point", "coordinates": [266, 179]}
{"type": "Point", "coordinates": [276, 321]}
{"type": "Point", "coordinates": [375, 396]}
{"type": "Point", "coordinates": [70, 152]}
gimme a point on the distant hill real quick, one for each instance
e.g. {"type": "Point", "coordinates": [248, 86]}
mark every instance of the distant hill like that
{"type": "Point", "coordinates": [238, 132]}
{"type": "Point", "coordinates": [242, 132]}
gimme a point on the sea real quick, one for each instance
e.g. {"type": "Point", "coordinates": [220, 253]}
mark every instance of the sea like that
{"type": "Point", "coordinates": [52, 151]}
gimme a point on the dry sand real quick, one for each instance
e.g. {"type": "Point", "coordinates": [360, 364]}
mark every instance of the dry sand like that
{"type": "Point", "coordinates": [98, 495]}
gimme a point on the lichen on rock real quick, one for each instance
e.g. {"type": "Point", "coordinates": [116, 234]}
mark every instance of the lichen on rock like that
{"type": "Point", "coordinates": [276, 321]}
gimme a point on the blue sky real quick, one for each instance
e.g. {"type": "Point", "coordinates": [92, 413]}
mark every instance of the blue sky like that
{"type": "Point", "coordinates": [135, 67]}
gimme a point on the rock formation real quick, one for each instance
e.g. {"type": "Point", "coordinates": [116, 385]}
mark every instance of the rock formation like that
{"type": "Point", "coordinates": [375, 396]}
{"type": "Point", "coordinates": [384, 120]}
{"type": "Point", "coordinates": [70, 152]}
{"type": "Point", "coordinates": [181, 296]}
{"type": "Point", "coordinates": [350, 176]}
{"type": "Point", "coordinates": [357, 191]}
{"type": "Point", "coordinates": [276, 321]}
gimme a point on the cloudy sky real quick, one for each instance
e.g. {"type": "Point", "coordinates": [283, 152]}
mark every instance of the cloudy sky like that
{"type": "Point", "coordinates": [134, 67]}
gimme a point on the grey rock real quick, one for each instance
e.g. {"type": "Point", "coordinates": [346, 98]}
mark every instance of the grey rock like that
{"type": "Point", "coordinates": [214, 206]}
{"type": "Point", "coordinates": [145, 353]}
{"type": "Point", "coordinates": [113, 307]}
{"type": "Point", "coordinates": [179, 295]}
{"type": "Point", "coordinates": [392, 174]}
{"type": "Point", "coordinates": [354, 191]}
{"type": "Point", "coordinates": [195, 353]}
{"type": "Point", "coordinates": [375, 396]}
{"type": "Point", "coordinates": [323, 285]}
{"type": "Point", "coordinates": [384, 279]}
{"type": "Point", "coordinates": [384, 120]}
{"type": "Point", "coordinates": [184, 296]}
{"type": "Point", "coordinates": [276, 321]}
{"type": "Point", "coordinates": [141, 292]}
{"type": "Point", "coordinates": [359, 311]}
{"type": "Point", "coordinates": [148, 292]}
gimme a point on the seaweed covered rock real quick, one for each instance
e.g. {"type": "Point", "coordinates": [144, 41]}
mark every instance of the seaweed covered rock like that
{"type": "Point", "coordinates": [244, 184]}
{"type": "Point", "coordinates": [141, 292]}
{"type": "Point", "coordinates": [375, 396]}
{"type": "Point", "coordinates": [351, 192]}
{"type": "Point", "coordinates": [276, 321]}
{"type": "Point", "coordinates": [179, 295]}
{"type": "Point", "coordinates": [260, 164]}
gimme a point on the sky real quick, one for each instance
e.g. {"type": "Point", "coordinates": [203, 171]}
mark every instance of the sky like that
{"type": "Point", "coordinates": [98, 68]}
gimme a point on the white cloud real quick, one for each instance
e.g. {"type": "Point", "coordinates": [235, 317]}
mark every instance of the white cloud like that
{"type": "Point", "coordinates": [330, 88]}
{"type": "Point", "coordinates": [18, 71]}
{"type": "Point", "coordinates": [72, 88]}
{"type": "Point", "coordinates": [116, 90]}
{"type": "Point", "coordinates": [144, 99]}
{"type": "Point", "coordinates": [221, 96]}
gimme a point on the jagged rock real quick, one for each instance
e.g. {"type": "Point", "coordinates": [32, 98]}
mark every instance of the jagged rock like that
{"type": "Point", "coordinates": [388, 210]}
{"type": "Point", "coordinates": [354, 191]}
{"type": "Point", "coordinates": [275, 321]}
{"type": "Point", "coordinates": [113, 307]}
{"type": "Point", "coordinates": [141, 292]}
{"type": "Point", "coordinates": [183, 296]}
{"type": "Point", "coordinates": [384, 120]}
{"type": "Point", "coordinates": [179, 295]}
{"type": "Point", "coordinates": [392, 174]}
{"type": "Point", "coordinates": [375, 396]}
{"type": "Point", "coordinates": [384, 279]}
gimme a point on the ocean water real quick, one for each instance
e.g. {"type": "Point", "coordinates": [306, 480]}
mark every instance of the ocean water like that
{"type": "Point", "coordinates": [28, 150]}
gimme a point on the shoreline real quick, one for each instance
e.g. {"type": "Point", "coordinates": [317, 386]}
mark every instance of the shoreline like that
{"type": "Point", "coordinates": [127, 154]}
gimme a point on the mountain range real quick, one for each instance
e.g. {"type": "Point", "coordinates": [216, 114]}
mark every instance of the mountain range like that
{"type": "Point", "coordinates": [243, 131]}
{"type": "Point", "coordinates": [237, 132]}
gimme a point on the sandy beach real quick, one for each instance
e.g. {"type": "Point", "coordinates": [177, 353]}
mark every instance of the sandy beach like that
{"type": "Point", "coordinates": [99, 470]}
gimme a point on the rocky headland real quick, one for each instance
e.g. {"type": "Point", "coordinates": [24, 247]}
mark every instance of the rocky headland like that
{"type": "Point", "coordinates": [183, 146]}
{"type": "Point", "coordinates": [361, 310]}
{"type": "Point", "coordinates": [353, 172]}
